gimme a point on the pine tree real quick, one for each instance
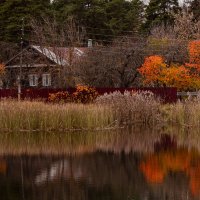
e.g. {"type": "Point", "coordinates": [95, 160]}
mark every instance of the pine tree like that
{"type": "Point", "coordinates": [136, 15]}
{"type": "Point", "coordinates": [124, 15]}
{"type": "Point", "coordinates": [160, 12]}
{"type": "Point", "coordinates": [103, 19]}
{"type": "Point", "coordinates": [11, 14]}
{"type": "Point", "coordinates": [195, 8]}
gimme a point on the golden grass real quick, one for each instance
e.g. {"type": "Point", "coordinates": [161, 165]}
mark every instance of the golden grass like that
{"type": "Point", "coordinates": [39, 116]}
{"type": "Point", "coordinates": [110, 113]}
{"type": "Point", "coordinates": [182, 114]}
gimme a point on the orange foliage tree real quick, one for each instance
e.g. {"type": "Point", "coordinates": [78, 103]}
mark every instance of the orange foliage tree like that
{"type": "Point", "coordinates": [194, 61]}
{"type": "Point", "coordinates": [152, 69]}
{"type": "Point", "coordinates": [194, 55]}
{"type": "Point", "coordinates": [2, 68]}
{"type": "Point", "coordinates": [157, 73]}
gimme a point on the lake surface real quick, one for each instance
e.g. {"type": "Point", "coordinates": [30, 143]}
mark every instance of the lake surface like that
{"type": "Point", "coordinates": [119, 165]}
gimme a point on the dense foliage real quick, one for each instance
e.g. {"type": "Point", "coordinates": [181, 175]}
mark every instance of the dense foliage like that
{"type": "Point", "coordinates": [12, 12]}
{"type": "Point", "coordinates": [160, 11]}
{"type": "Point", "coordinates": [194, 6]}
{"type": "Point", "coordinates": [102, 19]}
{"type": "Point", "coordinates": [157, 72]}
{"type": "Point", "coordinates": [82, 94]}
{"type": "Point", "coordinates": [125, 35]}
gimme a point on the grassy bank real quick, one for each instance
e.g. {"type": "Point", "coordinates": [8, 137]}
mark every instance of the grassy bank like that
{"type": "Point", "coordinates": [39, 116]}
{"type": "Point", "coordinates": [182, 114]}
{"type": "Point", "coordinates": [108, 111]}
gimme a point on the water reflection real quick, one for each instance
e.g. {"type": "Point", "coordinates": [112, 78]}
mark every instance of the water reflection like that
{"type": "Point", "coordinates": [170, 159]}
{"type": "Point", "coordinates": [99, 167]}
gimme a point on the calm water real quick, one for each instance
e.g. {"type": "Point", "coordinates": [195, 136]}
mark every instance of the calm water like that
{"type": "Point", "coordinates": [110, 166]}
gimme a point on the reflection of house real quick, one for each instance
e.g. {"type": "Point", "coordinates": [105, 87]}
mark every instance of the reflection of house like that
{"type": "Point", "coordinates": [42, 66]}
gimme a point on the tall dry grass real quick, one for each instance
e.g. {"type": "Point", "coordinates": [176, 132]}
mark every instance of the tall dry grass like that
{"type": "Point", "coordinates": [108, 111]}
{"type": "Point", "coordinates": [144, 108]}
{"type": "Point", "coordinates": [133, 108]}
{"type": "Point", "coordinates": [25, 115]}
{"type": "Point", "coordinates": [183, 113]}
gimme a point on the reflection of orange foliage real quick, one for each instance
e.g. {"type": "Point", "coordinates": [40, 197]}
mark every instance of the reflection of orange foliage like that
{"type": "Point", "coordinates": [176, 161]}
{"type": "Point", "coordinates": [156, 166]}
{"type": "Point", "coordinates": [194, 174]}
{"type": "Point", "coordinates": [152, 170]}
{"type": "Point", "coordinates": [3, 166]}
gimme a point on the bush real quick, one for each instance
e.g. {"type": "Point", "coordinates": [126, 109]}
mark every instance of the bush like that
{"type": "Point", "coordinates": [84, 94]}
{"type": "Point", "coordinates": [59, 97]}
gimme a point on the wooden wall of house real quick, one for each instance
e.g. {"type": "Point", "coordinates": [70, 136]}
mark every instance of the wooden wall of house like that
{"type": "Point", "coordinates": [10, 79]}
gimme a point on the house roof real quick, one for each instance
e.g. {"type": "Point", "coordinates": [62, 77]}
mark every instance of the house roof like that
{"type": "Point", "coordinates": [58, 55]}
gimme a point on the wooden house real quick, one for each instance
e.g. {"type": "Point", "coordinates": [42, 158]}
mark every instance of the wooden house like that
{"type": "Point", "coordinates": [42, 67]}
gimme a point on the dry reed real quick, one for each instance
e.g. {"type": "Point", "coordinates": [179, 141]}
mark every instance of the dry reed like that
{"type": "Point", "coordinates": [133, 108]}
{"type": "Point", "coordinates": [39, 116]}
{"type": "Point", "coordinates": [183, 113]}
{"type": "Point", "coordinates": [110, 110]}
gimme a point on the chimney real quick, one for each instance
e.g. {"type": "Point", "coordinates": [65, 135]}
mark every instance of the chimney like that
{"type": "Point", "coordinates": [89, 43]}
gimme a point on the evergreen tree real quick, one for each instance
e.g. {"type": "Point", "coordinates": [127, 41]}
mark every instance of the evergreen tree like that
{"type": "Point", "coordinates": [103, 19]}
{"type": "Point", "coordinates": [160, 12]}
{"type": "Point", "coordinates": [195, 8]}
{"type": "Point", "coordinates": [136, 15]}
{"type": "Point", "coordinates": [124, 15]}
{"type": "Point", "coordinates": [11, 14]}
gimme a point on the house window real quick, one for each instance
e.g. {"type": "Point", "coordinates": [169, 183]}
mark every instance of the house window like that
{"type": "Point", "coordinates": [46, 80]}
{"type": "Point", "coordinates": [33, 80]}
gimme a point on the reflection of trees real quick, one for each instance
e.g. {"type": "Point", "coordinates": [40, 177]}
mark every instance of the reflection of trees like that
{"type": "Point", "coordinates": [79, 143]}
{"type": "Point", "coordinates": [3, 166]}
{"type": "Point", "coordinates": [104, 174]}
{"type": "Point", "coordinates": [96, 176]}
{"type": "Point", "coordinates": [158, 166]}
{"type": "Point", "coordinates": [90, 176]}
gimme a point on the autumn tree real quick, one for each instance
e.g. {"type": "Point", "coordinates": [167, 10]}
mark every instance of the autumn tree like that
{"type": "Point", "coordinates": [2, 69]}
{"type": "Point", "coordinates": [156, 72]}
{"type": "Point", "coordinates": [194, 55]}
{"type": "Point", "coordinates": [194, 61]}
